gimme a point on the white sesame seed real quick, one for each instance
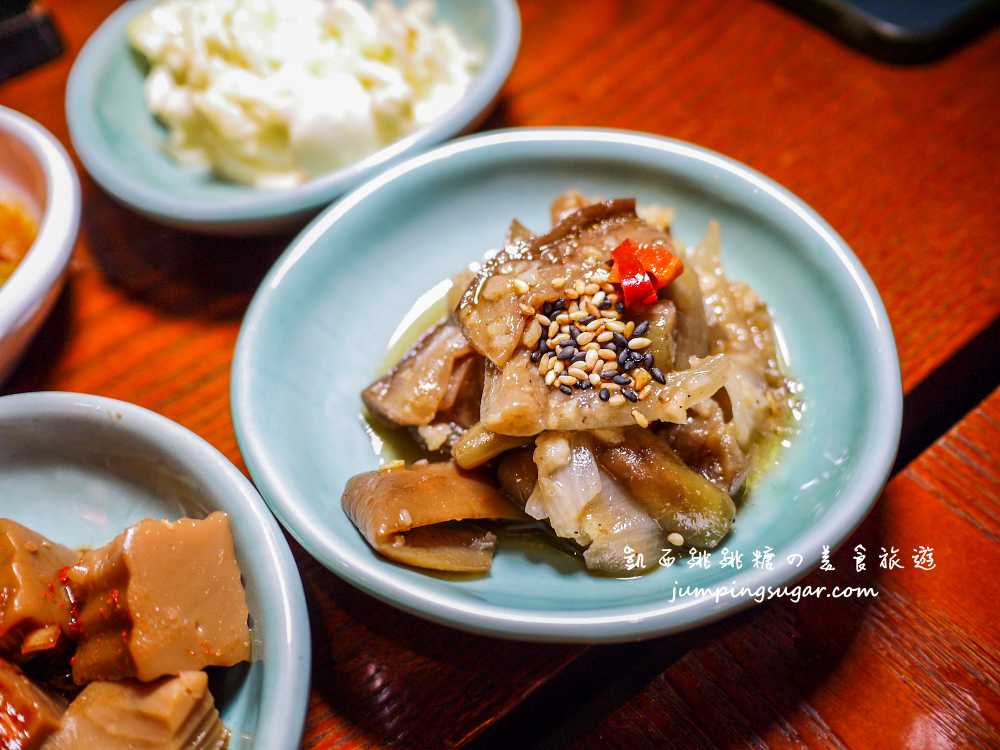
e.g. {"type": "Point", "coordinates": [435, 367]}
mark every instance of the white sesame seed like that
{"type": "Point", "coordinates": [629, 328]}
{"type": "Point", "coordinates": [615, 325]}
{"type": "Point", "coordinates": [567, 379]}
{"type": "Point", "coordinates": [558, 366]}
{"type": "Point", "coordinates": [594, 325]}
{"type": "Point", "coordinates": [584, 338]}
{"type": "Point", "coordinates": [610, 315]}
{"type": "Point", "coordinates": [595, 379]}
{"type": "Point", "coordinates": [571, 293]}
{"type": "Point", "coordinates": [616, 400]}
{"type": "Point", "coordinates": [577, 373]}
{"type": "Point", "coordinates": [532, 333]}
{"type": "Point", "coordinates": [592, 288]}
{"type": "Point", "coordinates": [526, 309]}
{"type": "Point", "coordinates": [592, 346]}
{"type": "Point", "coordinates": [639, 418]}
{"type": "Point", "coordinates": [578, 315]}
{"type": "Point", "coordinates": [638, 343]}
{"type": "Point", "coordinates": [604, 337]}
{"type": "Point", "coordinates": [675, 539]}
{"type": "Point", "coordinates": [592, 358]}
{"type": "Point", "coordinates": [562, 318]}
{"type": "Point", "coordinates": [645, 392]}
{"type": "Point", "coordinates": [564, 328]}
{"type": "Point", "coordinates": [558, 283]}
{"type": "Point", "coordinates": [579, 287]}
{"type": "Point", "coordinates": [543, 363]}
{"type": "Point", "coordinates": [598, 298]}
{"type": "Point", "coordinates": [564, 336]}
{"type": "Point", "coordinates": [543, 320]}
{"type": "Point", "coordinates": [521, 286]}
{"type": "Point", "coordinates": [550, 377]}
{"type": "Point", "coordinates": [593, 310]}
{"type": "Point", "coordinates": [607, 355]}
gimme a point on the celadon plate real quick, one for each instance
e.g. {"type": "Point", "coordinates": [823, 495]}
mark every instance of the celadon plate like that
{"type": "Point", "coordinates": [120, 142]}
{"type": "Point", "coordinates": [317, 332]}
{"type": "Point", "coordinates": [80, 469]}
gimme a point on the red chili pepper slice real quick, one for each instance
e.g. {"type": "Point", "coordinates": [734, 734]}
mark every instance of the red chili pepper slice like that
{"type": "Point", "coordinates": [660, 263]}
{"type": "Point", "coordinates": [637, 286]}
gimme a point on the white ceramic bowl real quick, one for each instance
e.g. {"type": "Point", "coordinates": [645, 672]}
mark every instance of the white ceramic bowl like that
{"type": "Point", "coordinates": [36, 170]}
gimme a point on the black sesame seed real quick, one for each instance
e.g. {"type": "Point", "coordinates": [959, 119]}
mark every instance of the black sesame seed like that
{"type": "Point", "coordinates": [605, 394]}
{"type": "Point", "coordinates": [647, 360]}
{"type": "Point", "coordinates": [558, 305]}
{"type": "Point", "coordinates": [609, 375]}
{"type": "Point", "coordinates": [566, 389]}
{"type": "Point", "coordinates": [567, 352]}
{"type": "Point", "coordinates": [586, 321]}
{"type": "Point", "coordinates": [547, 309]}
{"type": "Point", "coordinates": [606, 305]}
{"type": "Point", "coordinates": [579, 356]}
{"type": "Point", "coordinates": [536, 356]}
{"type": "Point", "coordinates": [623, 356]}
{"type": "Point", "coordinates": [620, 341]}
{"type": "Point", "coordinates": [657, 374]}
{"type": "Point", "coordinates": [620, 307]}
{"type": "Point", "coordinates": [622, 380]}
{"type": "Point", "coordinates": [640, 330]}
{"type": "Point", "coordinates": [630, 394]}
{"type": "Point", "coordinates": [583, 384]}
{"type": "Point", "coordinates": [610, 346]}
{"type": "Point", "coordinates": [574, 332]}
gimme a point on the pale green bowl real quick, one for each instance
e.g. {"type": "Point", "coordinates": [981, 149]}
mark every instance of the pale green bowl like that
{"type": "Point", "coordinates": [119, 141]}
{"type": "Point", "coordinates": [79, 469]}
{"type": "Point", "coordinates": [316, 334]}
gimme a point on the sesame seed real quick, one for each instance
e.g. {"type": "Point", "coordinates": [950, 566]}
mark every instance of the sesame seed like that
{"type": "Point", "coordinates": [642, 378]}
{"type": "Point", "coordinates": [620, 341]}
{"type": "Point", "coordinates": [578, 315]}
{"type": "Point", "coordinates": [647, 360]}
{"type": "Point", "coordinates": [598, 298]}
{"type": "Point", "coordinates": [645, 392]}
{"type": "Point", "coordinates": [622, 358]}
{"type": "Point", "coordinates": [535, 356]}
{"type": "Point", "coordinates": [622, 379]}
{"type": "Point", "coordinates": [558, 283]}
{"type": "Point", "coordinates": [566, 389]}
{"type": "Point", "coordinates": [550, 377]}
{"type": "Point", "coordinates": [544, 362]}
{"type": "Point", "coordinates": [579, 287]}
{"type": "Point", "coordinates": [640, 330]}
{"type": "Point", "coordinates": [594, 325]}
{"type": "Point", "coordinates": [616, 400]}
{"type": "Point", "coordinates": [630, 394]}
{"type": "Point", "coordinates": [605, 394]}
{"type": "Point", "coordinates": [675, 539]}
{"type": "Point", "coordinates": [553, 329]}
{"type": "Point", "coordinates": [532, 333]}
{"type": "Point", "coordinates": [639, 342]}
{"type": "Point", "coordinates": [592, 288]}
{"type": "Point", "coordinates": [593, 346]}
{"type": "Point", "coordinates": [543, 320]}
{"type": "Point", "coordinates": [582, 339]}
{"type": "Point", "coordinates": [609, 315]}
{"type": "Point", "coordinates": [562, 319]}
{"type": "Point", "coordinates": [577, 373]}
{"type": "Point", "coordinates": [526, 309]}
{"type": "Point", "coordinates": [586, 320]}
{"type": "Point", "coordinates": [615, 325]}
{"type": "Point", "coordinates": [639, 418]}
{"type": "Point", "coordinates": [566, 352]}
{"type": "Point", "coordinates": [604, 337]}
{"type": "Point", "coordinates": [629, 327]}
{"type": "Point", "coordinates": [657, 374]}
{"type": "Point", "coordinates": [557, 366]}
{"type": "Point", "coordinates": [572, 293]}
{"type": "Point", "coordinates": [592, 358]}
{"type": "Point", "coordinates": [566, 379]}
{"type": "Point", "coordinates": [620, 307]}
{"type": "Point", "coordinates": [609, 375]}
{"type": "Point", "coordinates": [594, 378]}
{"type": "Point", "coordinates": [607, 355]}
{"type": "Point", "coordinates": [521, 286]}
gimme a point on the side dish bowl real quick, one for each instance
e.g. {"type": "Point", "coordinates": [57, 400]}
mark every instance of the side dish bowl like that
{"type": "Point", "coordinates": [36, 171]}
{"type": "Point", "coordinates": [80, 469]}
{"type": "Point", "coordinates": [317, 330]}
{"type": "Point", "coordinates": [119, 141]}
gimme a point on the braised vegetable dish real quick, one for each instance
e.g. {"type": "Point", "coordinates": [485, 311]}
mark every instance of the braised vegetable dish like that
{"type": "Point", "coordinates": [104, 648]}
{"type": "Point", "coordinates": [598, 378]}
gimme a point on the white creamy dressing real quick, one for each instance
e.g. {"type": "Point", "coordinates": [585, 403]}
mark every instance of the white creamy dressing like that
{"type": "Point", "coordinates": [272, 93]}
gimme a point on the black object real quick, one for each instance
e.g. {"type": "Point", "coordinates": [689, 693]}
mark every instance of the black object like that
{"type": "Point", "coordinates": [901, 31]}
{"type": "Point", "coordinates": [28, 38]}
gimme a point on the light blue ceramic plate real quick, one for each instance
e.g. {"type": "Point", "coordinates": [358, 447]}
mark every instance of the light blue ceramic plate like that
{"type": "Point", "coordinates": [80, 469]}
{"type": "Point", "coordinates": [317, 330]}
{"type": "Point", "coordinates": [119, 141]}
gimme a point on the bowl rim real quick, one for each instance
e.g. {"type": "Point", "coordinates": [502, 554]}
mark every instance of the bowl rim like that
{"type": "Point", "coordinates": [260, 205]}
{"type": "Point", "coordinates": [43, 265]}
{"type": "Point", "coordinates": [285, 685]}
{"type": "Point", "coordinates": [628, 622]}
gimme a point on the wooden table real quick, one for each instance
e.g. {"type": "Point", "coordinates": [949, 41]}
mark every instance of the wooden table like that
{"type": "Point", "coordinates": [904, 162]}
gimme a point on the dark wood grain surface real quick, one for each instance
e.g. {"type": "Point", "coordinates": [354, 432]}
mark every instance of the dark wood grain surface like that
{"type": "Point", "coordinates": [904, 163]}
